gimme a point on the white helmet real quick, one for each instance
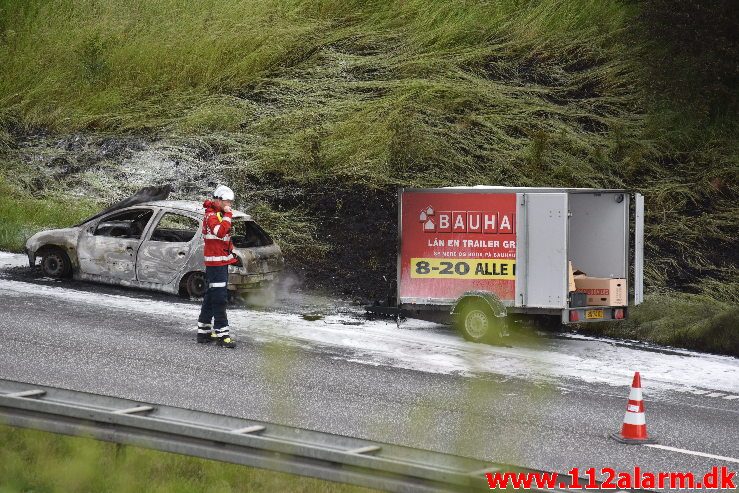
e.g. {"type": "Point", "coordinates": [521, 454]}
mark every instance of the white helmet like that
{"type": "Point", "coordinates": [223, 192]}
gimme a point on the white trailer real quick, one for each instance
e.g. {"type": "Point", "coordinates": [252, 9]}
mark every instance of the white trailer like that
{"type": "Point", "coordinates": [481, 253]}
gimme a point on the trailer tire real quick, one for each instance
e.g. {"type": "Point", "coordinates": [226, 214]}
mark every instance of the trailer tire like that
{"type": "Point", "coordinates": [476, 322]}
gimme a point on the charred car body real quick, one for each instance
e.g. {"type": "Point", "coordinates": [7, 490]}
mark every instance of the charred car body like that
{"type": "Point", "coordinates": [151, 243]}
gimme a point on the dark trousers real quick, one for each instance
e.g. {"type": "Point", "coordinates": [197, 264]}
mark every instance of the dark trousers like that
{"type": "Point", "coordinates": [214, 301]}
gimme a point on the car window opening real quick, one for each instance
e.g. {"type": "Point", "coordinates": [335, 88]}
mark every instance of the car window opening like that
{"type": "Point", "coordinates": [175, 228]}
{"type": "Point", "coordinates": [247, 234]}
{"type": "Point", "coordinates": [127, 224]}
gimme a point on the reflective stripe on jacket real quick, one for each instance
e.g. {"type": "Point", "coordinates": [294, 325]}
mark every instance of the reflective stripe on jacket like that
{"type": "Point", "coordinates": [216, 229]}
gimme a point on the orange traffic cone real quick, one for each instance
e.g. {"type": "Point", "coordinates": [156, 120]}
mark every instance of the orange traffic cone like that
{"type": "Point", "coordinates": [634, 429]}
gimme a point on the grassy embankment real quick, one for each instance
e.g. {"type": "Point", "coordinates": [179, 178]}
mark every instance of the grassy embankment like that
{"type": "Point", "coordinates": [22, 215]}
{"type": "Point", "coordinates": [359, 97]}
{"type": "Point", "coordinates": [681, 320]}
{"type": "Point", "coordinates": [45, 462]}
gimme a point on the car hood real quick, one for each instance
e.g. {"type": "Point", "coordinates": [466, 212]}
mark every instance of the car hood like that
{"type": "Point", "coordinates": [65, 236]}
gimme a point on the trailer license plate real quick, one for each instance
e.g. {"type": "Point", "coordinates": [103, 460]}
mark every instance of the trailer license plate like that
{"type": "Point", "coordinates": [593, 314]}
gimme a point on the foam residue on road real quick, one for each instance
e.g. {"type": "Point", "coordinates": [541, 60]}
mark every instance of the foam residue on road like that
{"type": "Point", "coordinates": [425, 346]}
{"type": "Point", "coordinates": [9, 260]}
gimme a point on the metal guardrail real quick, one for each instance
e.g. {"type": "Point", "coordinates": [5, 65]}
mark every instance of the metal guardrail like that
{"type": "Point", "coordinates": [247, 442]}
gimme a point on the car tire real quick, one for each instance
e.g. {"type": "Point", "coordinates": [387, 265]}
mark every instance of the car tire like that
{"type": "Point", "coordinates": [476, 322]}
{"type": "Point", "coordinates": [196, 285]}
{"type": "Point", "coordinates": [55, 263]}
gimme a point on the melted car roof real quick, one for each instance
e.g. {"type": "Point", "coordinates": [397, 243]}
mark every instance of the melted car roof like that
{"type": "Point", "coordinates": [190, 206]}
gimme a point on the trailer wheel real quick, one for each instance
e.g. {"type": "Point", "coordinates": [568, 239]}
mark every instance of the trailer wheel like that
{"type": "Point", "coordinates": [477, 323]}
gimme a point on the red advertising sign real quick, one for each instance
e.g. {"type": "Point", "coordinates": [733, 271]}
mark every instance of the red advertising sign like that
{"type": "Point", "coordinates": [453, 242]}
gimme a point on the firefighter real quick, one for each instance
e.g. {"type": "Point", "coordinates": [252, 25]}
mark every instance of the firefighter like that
{"type": "Point", "coordinates": [213, 323]}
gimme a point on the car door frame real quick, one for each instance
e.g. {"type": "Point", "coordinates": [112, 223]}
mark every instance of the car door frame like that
{"type": "Point", "coordinates": [177, 272]}
{"type": "Point", "coordinates": [89, 232]}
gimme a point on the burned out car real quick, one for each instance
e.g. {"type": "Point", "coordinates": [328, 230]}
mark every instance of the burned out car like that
{"type": "Point", "coordinates": [154, 244]}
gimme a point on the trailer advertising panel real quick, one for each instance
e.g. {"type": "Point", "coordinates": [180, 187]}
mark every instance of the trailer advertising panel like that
{"type": "Point", "coordinates": [452, 242]}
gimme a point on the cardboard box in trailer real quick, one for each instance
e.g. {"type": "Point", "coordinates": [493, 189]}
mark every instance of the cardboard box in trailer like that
{"type": "Point", "coordinates": [481, 253]}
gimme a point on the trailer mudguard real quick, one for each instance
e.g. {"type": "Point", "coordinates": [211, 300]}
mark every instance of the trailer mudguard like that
{"type": "Point", "coordinates": [495, 304]}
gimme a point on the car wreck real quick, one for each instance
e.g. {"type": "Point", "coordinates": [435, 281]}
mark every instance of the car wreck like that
{"type": "Point", "coordinates": [149, 242]}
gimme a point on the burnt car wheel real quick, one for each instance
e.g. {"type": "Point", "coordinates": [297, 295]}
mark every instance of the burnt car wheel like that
{"type": "Point", "coordinates": [196, 285]}
{"type": "Point", "coordinates": [55, 263]}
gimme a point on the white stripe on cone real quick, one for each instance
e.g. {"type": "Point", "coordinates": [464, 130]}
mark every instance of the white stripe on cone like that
{"type": "Point", "coordinates": [635, 419]}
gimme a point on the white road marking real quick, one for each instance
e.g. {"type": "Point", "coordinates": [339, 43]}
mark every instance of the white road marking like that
{"type": "Point", "coordinates": [692, 452]}
{"type": "Point", "coordinates": [565, 391]}
{"type": "Point", "coordinates": [705, 393]}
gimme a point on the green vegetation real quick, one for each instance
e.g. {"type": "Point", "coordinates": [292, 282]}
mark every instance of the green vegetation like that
{"type": "Point", "coordinates": [45, 462]}
{"type": "Point", "coordinates": [331, 98]}
{"type": "Point", "coordinates": [680, 320]}
{"type": "Point", "coordinates": [295, 233]}
{"type": "Point", "coordinates": [23, 216]}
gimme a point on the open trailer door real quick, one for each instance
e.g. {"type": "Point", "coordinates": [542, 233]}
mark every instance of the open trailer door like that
{"type": "Point", "coordinates": [638, 248]}
{"type": "Point", "coordinates": [541, 253]}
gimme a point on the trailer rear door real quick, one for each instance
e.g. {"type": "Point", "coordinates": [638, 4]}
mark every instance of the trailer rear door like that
{"type": "Point", "coordinates": [639, 249]}
{"type": "Point", "coordinates": [541, 255]}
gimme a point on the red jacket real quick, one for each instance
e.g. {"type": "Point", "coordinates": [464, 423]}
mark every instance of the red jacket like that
{"type": "Point", "coordinates": [216, 229]}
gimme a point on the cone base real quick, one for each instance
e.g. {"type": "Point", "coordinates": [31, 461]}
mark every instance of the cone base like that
{"type": "Point", "coordinates": [631, 441]}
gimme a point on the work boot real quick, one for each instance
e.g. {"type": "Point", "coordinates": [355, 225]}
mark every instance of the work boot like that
{"type": "Point", "coordinates": [225, 341]}
{"type": "Point", "coordinates": [205, 337]}
{"type": "Point", "coordinates": [205, 332]}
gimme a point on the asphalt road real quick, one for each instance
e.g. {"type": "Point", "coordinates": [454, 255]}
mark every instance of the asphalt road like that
{"type": "Point", "coordinates": [543, 405]}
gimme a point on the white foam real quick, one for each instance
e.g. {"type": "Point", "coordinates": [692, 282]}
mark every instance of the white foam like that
{"type": "Point", "coordinates": [429, 347]}
{"type": "Point", "coordinates": [8, 260]}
